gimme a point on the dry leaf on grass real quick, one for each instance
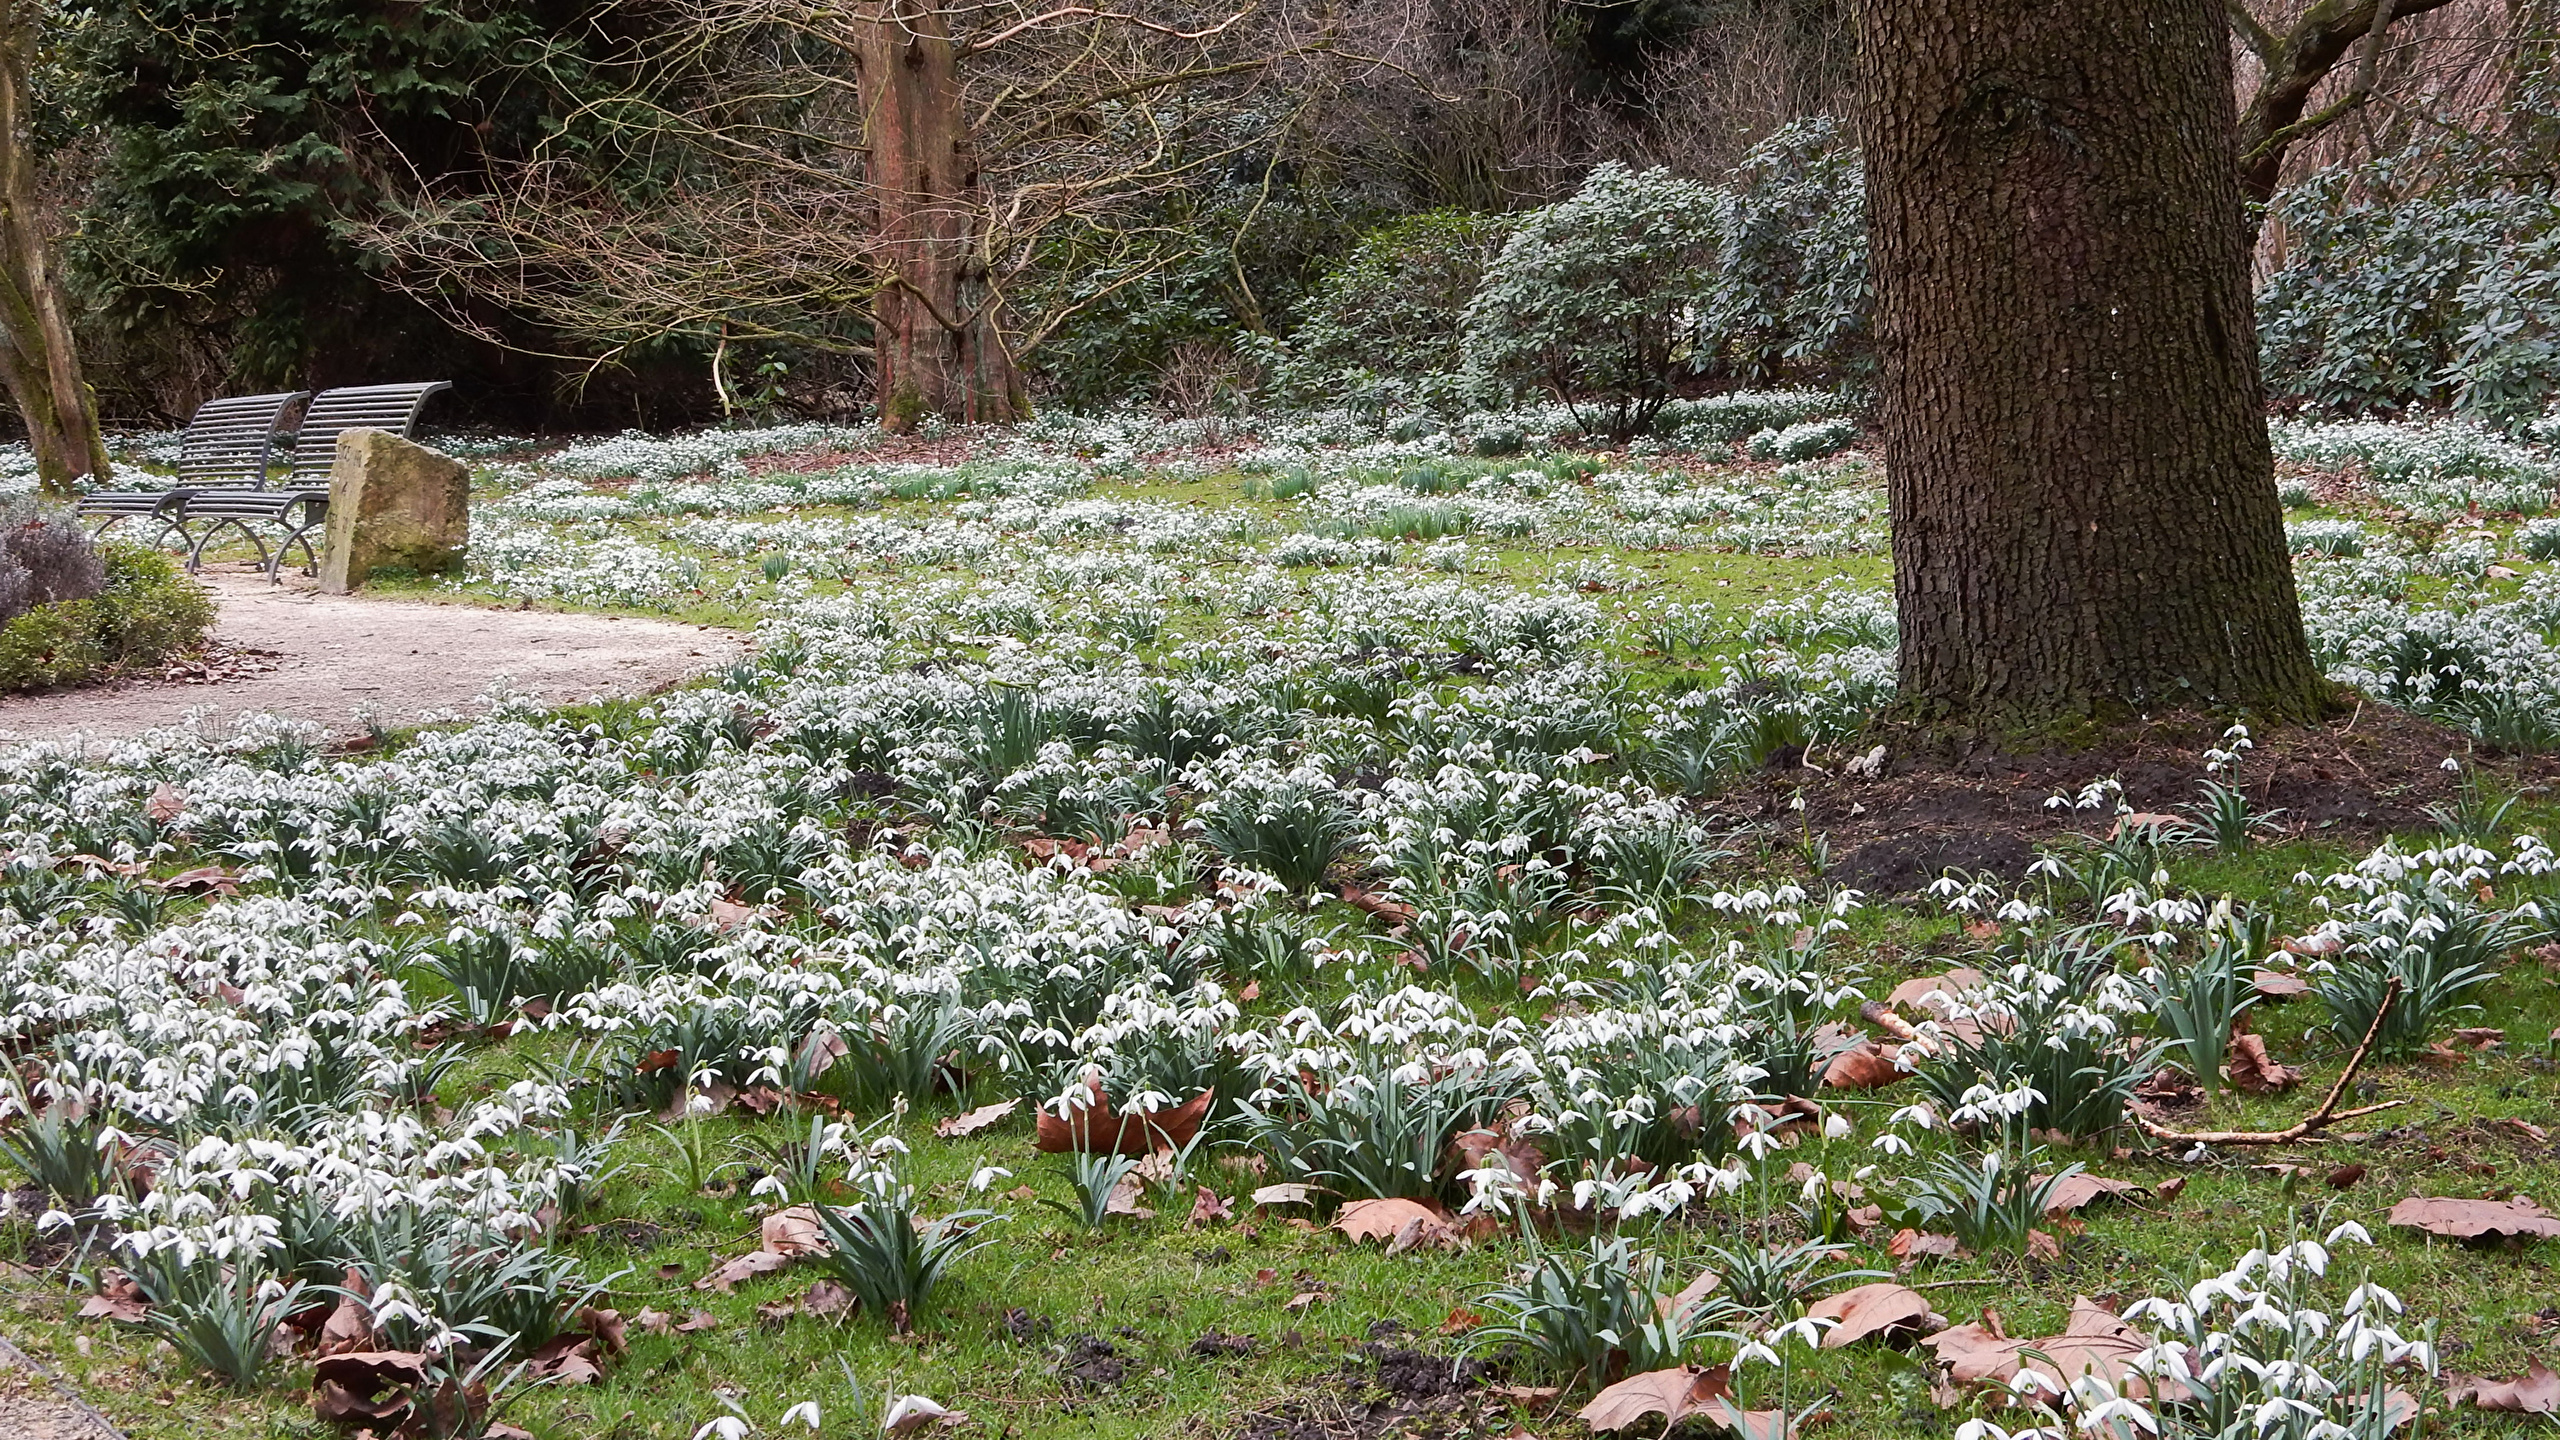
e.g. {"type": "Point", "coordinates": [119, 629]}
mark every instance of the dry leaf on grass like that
{"type": "Point", "coordinates": [2095, 1342]}
{"type": "Point", "coordinates": [366, 1385]}
{"type": "Point", "coordinates": [2538, 1393]}
{"type": "Point", "coordinates": [2477, 1037]}
{"type": "Point", "coordinates": [736, 1268]}
{"type": "Point", "coordinates": [208, 879]}
{"type": "Point", "coordinates": [1094, 1128]}
{"type": "Point", "coordinates": [1911, 1246]}
{"type": "Point", "coordinates": [976, 1120]}
{"type": "Point", "coordinates": [1124, 1199]}
{"type": "Point", "coordinates": [1477, 1148]}
{"type": "Point", "coordinates": [167, 803]}
{"type": "Point", "coordinates": [1884, 1309]}
{"type": "Point", "coordinates": [1403, 1224]}
{"type": "Point", "coordinates": [118, 1299]}
{"type": "Point", "coordinates": [1917, 993]}
{"type": "Point", "coordinates": [793, 1232]}
{"type": "Point", "coordinates": [1863, 1066]}
{"type": "Point", "coordinates": [1291, 1193]}
{"type": "Point", "coordinates": [1210, 1208]}
{"type": "Point", "coordinates": [1674, 1394]}
{"type": "Point", "coordinates": [2276, 987]}
{"type": "Point", "coordinates": [1689, 1296]}
{"type": "Point", "coordinates": [2474, 1219]}
{"type": "Point", "coordinates": [827, 1298]}
{"type": "Point", "coordinates": [2079, 1190]}
{"type": "Point", "coordinates": [2254, 1070]}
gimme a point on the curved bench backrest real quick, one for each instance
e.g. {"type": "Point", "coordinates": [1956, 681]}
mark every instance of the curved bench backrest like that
{"type": "Point", "coordinates": [357, 407]}
{"type": "Point", "coordinates": [231, 441]}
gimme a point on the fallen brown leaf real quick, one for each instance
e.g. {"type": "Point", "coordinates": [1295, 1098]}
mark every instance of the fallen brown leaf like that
{"type": "Point", "coordinates": [366, 1385]}
{"type": "Point", "coordinates": [1403, 1224]}
{"type": "Point", "coordinates": [2276, 987]}
{"type": "Point", "coordinates": [1095, 1128]}
{"type": "Point", "coordinates": [2474, 1219]}
{"type": "Point", "coordinates": [793, 1232]}
{"type": "Point", "coordinates": [1291, 1193]}
{"type": "Point", "coordinates": [1909, 1246]}
{"type": "Point", "coordinates": [2255, 1071]}
{"type": "Point", "coordinates": [1673, 1394]}
{"type": "Point", "coordinates": [1211, 1208]}
{"type": "Point", "coordinates": [2077, 1191]}
{"type": "Point", "coordinates": [726, 1276]}
{"type": "Point", "coordinates": [1124, 1199]}
{"type": "Point", "coordinates": [2538, 1393]}
{"type": "Point", "coordinates": [1863, 1066]}
{"type": "Point", "coordinates": [1884, 1309]}
{"type": "Point", "coordinates": [167, 803]}
{"type": "Point", "coordinates": [976, 1120]}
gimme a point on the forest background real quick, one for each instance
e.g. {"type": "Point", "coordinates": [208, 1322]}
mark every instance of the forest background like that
{"type": "Point", "coordinates": [652, 212]}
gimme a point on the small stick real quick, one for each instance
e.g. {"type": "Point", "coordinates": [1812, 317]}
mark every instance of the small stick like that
{"type": "Point", "coordinates": [1876, 1013]}
{"type": "Point", "coordinates": [2327, 1113]}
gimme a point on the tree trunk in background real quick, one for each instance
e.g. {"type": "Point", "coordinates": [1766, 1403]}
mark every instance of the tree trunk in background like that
{"type": "Point", "coordinates": [936, 343]}
{"type": "Point", "coordinates": [2084, 513]}
{"type": "Point", "coordinates": [37, 360]}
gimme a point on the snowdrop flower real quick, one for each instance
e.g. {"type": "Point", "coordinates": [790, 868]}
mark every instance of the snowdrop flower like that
{"type": "Point", "coordinates": [806, 1412]}
{"type": "Point", "coordinates": [988, 1175]}
{"type": "Point", "coordinates": [769, 1185]}
{"type": "Point", "coordinates": [727, 1427]}
{"type": "Point", "coordinates": [1754, 1352]}
{"type": "Point", "coordinates": [1836, 1126]}
{"type": "Point", "coordinates": [1891, 1144]}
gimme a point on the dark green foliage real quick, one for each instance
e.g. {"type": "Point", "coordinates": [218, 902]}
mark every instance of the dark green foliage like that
{"type": "Point", "coordinates": [1391, 308]}
{"type": "Point", "coordinates": [237, 148]}
{"type": "Point", "coordinates": [2428, 277]}
{"type": "Point", "coordinates": [147, 612]}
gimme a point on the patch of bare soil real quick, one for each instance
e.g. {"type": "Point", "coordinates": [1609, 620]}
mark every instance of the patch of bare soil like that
{"type": "Point", "coordinates": [289, 650]}
{"type": "Point", "coordinates": [2359, 776]}
{"type": "Point", "coordinates": [1388, 1391]}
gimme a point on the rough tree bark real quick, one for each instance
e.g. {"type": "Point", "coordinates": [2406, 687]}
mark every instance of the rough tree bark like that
{"type": "Point", "coordinates": [2292, 63]}
{"type": "Point", "coordinates": [2084, 517]}
{"type": "Point", "coordinates": [937, 346]}
{"type": "Point", "coordinates": [37, 360]}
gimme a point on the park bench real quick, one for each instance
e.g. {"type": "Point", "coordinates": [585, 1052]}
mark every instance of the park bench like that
{"type": "Point", "coordinates": [298, 505]}
{"type": "Point", "coordinates": [228, 446]}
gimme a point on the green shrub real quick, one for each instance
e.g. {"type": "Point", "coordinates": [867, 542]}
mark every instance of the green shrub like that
{"type": "Point", "coordinates": [149, 611]}
{"type": "Point", "coordinates": [1595, 299]}
{"type": "Point", "coordinates": [1391, 310]}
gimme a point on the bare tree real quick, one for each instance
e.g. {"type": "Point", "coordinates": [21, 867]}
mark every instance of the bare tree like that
{"type": "Point", "coordinates": [37, 359]}
{"type": "Point", "coordinates": [2293, 62]}
{"type": "Point", "coordinates": [937, 184]}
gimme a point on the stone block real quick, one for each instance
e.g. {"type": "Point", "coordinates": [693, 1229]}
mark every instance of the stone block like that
{"type": "Point", "coordinates": [393, 505]}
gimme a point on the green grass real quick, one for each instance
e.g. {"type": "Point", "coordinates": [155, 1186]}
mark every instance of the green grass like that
{"type": "Point", "coordinates": [995, 1341]}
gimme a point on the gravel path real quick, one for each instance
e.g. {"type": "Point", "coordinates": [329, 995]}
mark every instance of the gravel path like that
{"type": "Point", "coordinates": [289, 650]}
{"type": "Point", "coordinates": [32, 1409]}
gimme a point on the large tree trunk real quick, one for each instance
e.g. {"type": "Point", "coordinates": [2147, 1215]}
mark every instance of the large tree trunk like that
{"type": "Point", "coordinates": [2084, 517]}
{"type": "Point", "coordinates": [37, 360]}
{"type": "Point", "coordinates": [938, 348]}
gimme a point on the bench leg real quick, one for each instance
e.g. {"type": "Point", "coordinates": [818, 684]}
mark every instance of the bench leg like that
{"type": "Point", "coordinates": [300, 535]}
{"type": "Point", "coordinates": [195, 557]}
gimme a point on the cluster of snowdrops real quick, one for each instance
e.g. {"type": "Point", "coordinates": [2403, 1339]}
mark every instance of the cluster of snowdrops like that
{"type": "Point", "coordinates": [1385, 874]}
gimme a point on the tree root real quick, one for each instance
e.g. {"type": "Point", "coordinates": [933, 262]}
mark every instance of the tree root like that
{"type": "Point", "coordinates": [2326, 1115]}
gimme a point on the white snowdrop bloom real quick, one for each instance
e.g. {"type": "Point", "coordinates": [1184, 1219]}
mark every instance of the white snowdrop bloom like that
{"type": "Point", "coordinates": [725, 1427]}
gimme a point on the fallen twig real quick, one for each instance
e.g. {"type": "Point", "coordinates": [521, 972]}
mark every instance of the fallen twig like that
{"type": "Point", "coordinates": [1880, 1015]}
{"type": "Point", "coordinates": [2327, 1114]}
